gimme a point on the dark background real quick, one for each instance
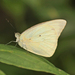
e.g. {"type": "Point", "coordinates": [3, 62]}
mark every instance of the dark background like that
{"type": "Point", "coordinates": [23, 14]}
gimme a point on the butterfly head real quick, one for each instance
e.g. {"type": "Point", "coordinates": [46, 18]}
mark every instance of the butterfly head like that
{"type": "Point", "coordinates": [17, 35]}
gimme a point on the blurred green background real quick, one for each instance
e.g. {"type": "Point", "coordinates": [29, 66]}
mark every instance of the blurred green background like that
{"type": "Point", "coordinates": [23, 14]}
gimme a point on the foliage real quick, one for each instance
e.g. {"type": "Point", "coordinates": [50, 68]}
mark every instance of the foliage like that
{"type": "Point", "coordinates": [24, 13]}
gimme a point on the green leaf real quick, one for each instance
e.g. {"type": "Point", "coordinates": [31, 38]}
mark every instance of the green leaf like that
{"type": "Point", "coordinates": [21, 58]}
{"type": "Point", "coordinates": [2, 73]}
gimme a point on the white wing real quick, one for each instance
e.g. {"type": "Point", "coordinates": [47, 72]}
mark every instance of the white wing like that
{"type": "Point", "coordinates": [42, 38]}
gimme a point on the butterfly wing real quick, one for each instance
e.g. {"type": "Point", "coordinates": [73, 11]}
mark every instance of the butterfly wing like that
{"type": "Point", "coordinates": [42, 38]}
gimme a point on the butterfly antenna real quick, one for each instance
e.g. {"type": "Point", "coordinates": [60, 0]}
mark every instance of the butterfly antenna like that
{"type": "Point", "coordinates": [11, 25]}
{"type": "Point", "coordinates": [14, 32]}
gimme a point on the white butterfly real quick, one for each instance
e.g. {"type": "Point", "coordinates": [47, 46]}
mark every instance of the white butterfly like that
{"type": "Point", "coordinates": [42, 38]}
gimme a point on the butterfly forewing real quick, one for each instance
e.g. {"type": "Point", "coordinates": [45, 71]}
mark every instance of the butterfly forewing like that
{"type": "Point", "coordinates": [42, 38]}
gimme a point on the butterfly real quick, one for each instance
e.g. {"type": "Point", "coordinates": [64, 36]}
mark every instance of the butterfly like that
{"type": "Point", "coordinates": [41, 39]}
